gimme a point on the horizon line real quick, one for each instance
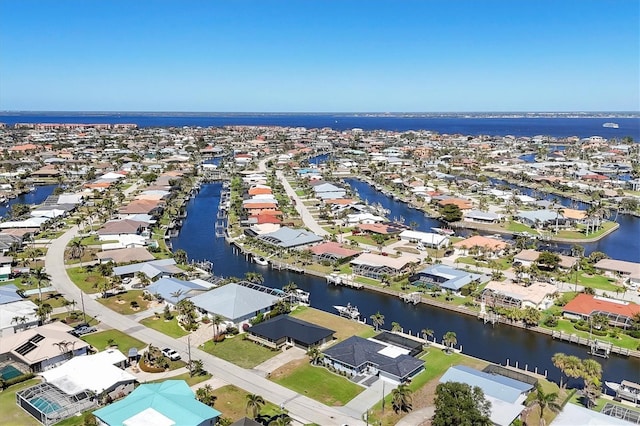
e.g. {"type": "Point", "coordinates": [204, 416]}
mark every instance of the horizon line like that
{"type": "Point", "coordinates": [10, 111]}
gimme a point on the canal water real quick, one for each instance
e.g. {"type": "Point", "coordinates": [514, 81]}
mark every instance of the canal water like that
{"type": "Point", "coordinates": [496, 344]}
{"type": "Point", "coordinates": [34, 197]}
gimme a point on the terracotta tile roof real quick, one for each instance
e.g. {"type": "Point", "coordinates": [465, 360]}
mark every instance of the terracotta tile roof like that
{"type": "Point", "coordinates": [331, 247]}
{"type": "Point", "coordinates": [585, 304]}
{"type": "Point", "coordinates": [463, 204]}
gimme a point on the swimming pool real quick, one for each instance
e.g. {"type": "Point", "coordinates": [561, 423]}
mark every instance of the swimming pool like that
{"type": "Point", "coordinates": [9, 372]}
{"type": "Point", "coordinates": [44, 405]}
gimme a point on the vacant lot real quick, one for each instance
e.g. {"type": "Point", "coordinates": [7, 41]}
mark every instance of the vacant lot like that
{"type": "Point", "coordinates": [243, 353]}
{"type": "Point", "coordinates": [232, 402]}
{"type": "Point", "coordinates": [316, 382]}
{"type": "Point", "coordinates": [343, 327]}
{"type": "Point", "coordinates": [101, 340]}
{"type": "Point", "coordinates": [170, 328]}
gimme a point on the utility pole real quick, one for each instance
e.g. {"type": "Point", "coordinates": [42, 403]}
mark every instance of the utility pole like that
{"type": "Point", "coordinates": [84, 313]}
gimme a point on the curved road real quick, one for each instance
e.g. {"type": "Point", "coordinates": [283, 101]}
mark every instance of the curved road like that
{"type": "Point", "coordinates": [301, 408]}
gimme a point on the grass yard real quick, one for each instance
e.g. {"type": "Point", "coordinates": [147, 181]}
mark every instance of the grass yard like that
{"type": "Point", "coordinates": [125, 342]}
{"type": "Point", "coordinates": [85, 281]}
{"type": "Point", "coordinates": [12, 415]}
{"type": "Point", "coordinates": [74, 318]}
{"type": "Point", "coordinates": [185, 376]}
{"type": "Point", "coordinates": [624, 340]}
{"type": "Point", "coordinates": [316, 382]}
{"type": "Point", "coordinates": [343, 327]}
{"type": "Point", "coordinates": [238, 351]}
{"type": "Point", "coordinates": [170, 328]}
{"type": "Point", "coordinates": [232, 403]}
{"type": "Point", "coordinates": [53, 298]}
{"type": "Point", "coordinates": [121, 303]}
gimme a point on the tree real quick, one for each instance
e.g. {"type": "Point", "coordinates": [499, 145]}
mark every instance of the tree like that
{"type": "Point", "coordinates": [216, 320]}
{"type": "Point", "coordinates": [76, 249]}
{"type": "Point", "coordinates": [180, 256]}
{"type": "Point", "coordinates": [450, 213]}
{"type": "Point", "coordinates": [378, 320]}
{"type": "Point", "coordinates": [314, 354]}
{"type": "Point", "coordinates": [396, 327]}
{"type": "Point", "coordinates": [43, 311]}
{"type": "Point", "coordinates": [426, 333]}
{"type": "Point", "coordinates": [290, 288]}
{"type": "Point", "coordinates": [546, 400]}
{"type": "Point", "coordinates": [254, 404]}
{"type": "Point", "coordinates": [379, 239]}
{"type": "Point", "coordinates": [450, 340]}
{"type": "Point", "coordinates": [559, 360]}
{"type": "Point", "coordinates": [195, 367]}
{"type": "Point", "coordinates": [40, 276]}
{"type": "Point", "coordinates": [548, 260]}
{"type": "Point", "coordinates": [254, 277]}
{"type": "Point", "coordinates": [460, 404]}
{"type": "Point", "coordinates": [401, 398]}
{"type": "Point", "coordinates": [531, 316]}
{"type": "Point", "coordinates": [206, 396]}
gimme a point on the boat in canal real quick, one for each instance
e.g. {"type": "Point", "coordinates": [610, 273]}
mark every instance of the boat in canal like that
{"type": "Point", "coordinates": [626, 390]}
{"type": "Point", "coordinates": [348, 311]}
{"type": "Point", "coordinates": [444, 231]}
{"type": "Point", "coordinates": [260, 260]}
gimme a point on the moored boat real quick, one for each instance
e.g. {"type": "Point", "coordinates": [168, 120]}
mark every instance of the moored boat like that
{"type": "Point", "coordinates": [444, 231]}
{"type": "Point", "coordinates": [260, 260]}
{"type": "Point", "coordinates": [611, 125]}
{"type": "Point", "coordinates": [348, 311]}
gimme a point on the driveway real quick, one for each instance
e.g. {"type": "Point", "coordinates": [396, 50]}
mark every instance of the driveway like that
{"type": "Point", "coordinates": [301, 407]}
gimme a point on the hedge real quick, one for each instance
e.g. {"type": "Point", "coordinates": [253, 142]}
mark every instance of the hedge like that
{"type": "Point", "coordinates": [18, 379]}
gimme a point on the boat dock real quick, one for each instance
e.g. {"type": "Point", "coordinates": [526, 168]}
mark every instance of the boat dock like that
{"type": "Point", "coordinates": [596, 347]}
{"type": "Point", "coordinates": [414, 298]}
{"type": "Point", "coordinates": [343, 280]}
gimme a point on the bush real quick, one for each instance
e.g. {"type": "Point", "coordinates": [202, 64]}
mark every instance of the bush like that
{"type": "Point", "coordinates": [232, 330]}
{"type": "Point", "coordinates": [551, 322]}
{"type": "Point", "coordinates": [148, 368]}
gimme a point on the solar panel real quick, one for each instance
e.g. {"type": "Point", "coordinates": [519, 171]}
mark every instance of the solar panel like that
{"type": "Point", "coordinates": [37, 338]}
{"type": "Point", "coordinates": [26, 348]}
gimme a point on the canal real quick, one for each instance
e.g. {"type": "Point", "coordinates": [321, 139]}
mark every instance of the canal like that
{"type": "Point", "coordinates": [35, 197]}
{"type": "Point", "coordinates": [496, 344]}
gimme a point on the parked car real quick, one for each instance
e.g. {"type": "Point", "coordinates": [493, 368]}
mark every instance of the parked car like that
{"type": "Point", "coordinates": [81, 329]}
{"type": "Point", "coordinates": [171, 354]}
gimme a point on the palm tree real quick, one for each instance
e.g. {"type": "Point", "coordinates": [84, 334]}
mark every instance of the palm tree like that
{"type": "Point", "coordinates": [378, 320]}
{"type": "Point", "coordinates": [176, 294]}
{"type": "Point", "coordinates": [216, 320]}
{"type": "Point", "coordinates": [426, 333]}
{"type": "Point", "coordinates": [43, 311]}
{"type": "Point", "coordinates": [450, 340]}
{"type": "Point", "coordinates": [40, 275]}
{"type": "Point", "coordinates": [315, 356]}
{"type": "Point", "coordinates": [396, 327]}
{"type": "Point", "coordinates": [206, 396]}
{"type": "Point", "coordinates": [281, 420]}
{"type": "Point", "coordinates": [401, 398]}
{"type": "Point", "coordinates": [290, 288]}
{"type": "Point", "coordinates": [196, 367]}
{"type": "Point", "coordinates": [546, 400]}
{"type": "Point", "coordinates": [559, 360]}
{"type": "Point", "coordinates": [254, 277]}
{"type": "Point", "coordinates": [180, 256]}
{"type": "Point", "coordinates": [254, 403]}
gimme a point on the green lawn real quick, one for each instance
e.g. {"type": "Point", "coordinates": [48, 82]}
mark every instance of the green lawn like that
{"type": "Point", "coordinates": [85, 281]}
{"type": "Point", "coordinates": [241, 352]}
{"type": "Point", "coordinates": [170, 328]}
{"type": "Point", "coordinates": [125, 342]}
{"type": "Point", "coordinates": [74, 318]}
{"type": "Point", "coordinates": [185, 376]}
{"type": "Point", "coordinates": [122, 302]}
{"type": "Point", "coordinates": [53, 298]}
{"type": "Point", "coordinates": [596, 281]}
{"type": "Point", "coordinates": [12, 415]}
{"type": "Point", "coordinates": [624, 340]}
{"type": "Point", "coordinates": [320, 384]}
{"type": "Point", "coordinates": [232, 403]}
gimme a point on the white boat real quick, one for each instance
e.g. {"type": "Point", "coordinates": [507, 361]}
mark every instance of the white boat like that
{"type": "Point", "coordinates": [302, 296]}
{"type": "Point", "coordinates": [348, 311]}
{"type": "Point", "coordinates": [611, 125]}
{"type": "Point", "coordinates": [444, 231]}
{"type": "Point", "coordinates": [260, 260]}
{"type": "Point", "coordinates": [627, 390]}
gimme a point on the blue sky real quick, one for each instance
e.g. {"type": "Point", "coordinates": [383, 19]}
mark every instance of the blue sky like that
{"type": "Point", "coordinates": [320, 56]}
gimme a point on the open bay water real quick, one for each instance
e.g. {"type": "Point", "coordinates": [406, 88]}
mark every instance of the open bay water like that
{"type": "Point", "coordinates": [459, 124]}
{"type": "Point", "coordinates": [496, 344]}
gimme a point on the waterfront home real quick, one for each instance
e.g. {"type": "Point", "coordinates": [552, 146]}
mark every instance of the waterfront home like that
{"type": "Point", "coordinates": [376, 266]}
{"type": "Point", "coordinates": [365, 219]}
{"type": "Point", "coordinates": [331, 251]}
{"type": "Point", "coordinates": [479, 216]}
{"type": "Point", "coordinates": [507, 395]}
{"type": "Point", "coordinates": [172, 290]}
{"type": "Point", "coordinates": [152, 269]}
{"type": "Point", "coordinates": [36, 223]}
{"type": "Point", "coordinates": [510, 295]}
{"type": "Point", "coordinates": [359, 356]}
{"type": "Point", "coordinates": [425, 239]}
{"type": "Point", "coordinates": [151, 207]}
{"type": "Point", "coordinates": [540, 218]}
{"type": "Point", "coordinates": [286, 237]}
{"type": "Point", "coordinates": [38, 349]}
{"type": "Point", "coordinates": [460, 202]}
{"type": "Point", "coordinates": [114, 229]}
{"type": "Point", "coordinates": [236, 302]}
{"type": "Point", "coordinates": [171, 402]}
{"type": "Point", "coordinates": [485, 245]}
{"type": "Point", "coordinates": [629, 271]}
{"type": "Point", "coordinates": [573, 414]}
{"type": "Point", "coordinates": [286, 330]}
{"type": "Point", "coordinates": [620, 313]}
{"type": "Point", "coordinates": [445, 277]}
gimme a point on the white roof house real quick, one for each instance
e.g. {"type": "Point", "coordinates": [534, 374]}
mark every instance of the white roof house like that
{"type": "Point", "coordinates": [96, 373]}
{"type": "Point", "coordinates": [235, 302]}
{"type": "Point", "coordinates": [25, 310]}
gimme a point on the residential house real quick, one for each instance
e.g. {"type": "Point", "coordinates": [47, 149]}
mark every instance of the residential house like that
{"type": "Point", "coordinates": [286, 330]}
{"type": "Point", "coordinates": [619, 312]}
{"type": "Point", "coordinates": [629, 271]}
{"type": "Point", "coordinates": [377, 266]}
{"type": "Point", "coordinates": [510, 295]}
{"type": "Point", "coordinates": [445, 277]}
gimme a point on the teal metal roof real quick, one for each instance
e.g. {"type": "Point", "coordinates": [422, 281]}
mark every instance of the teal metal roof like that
{"type": "Point", "coordinates": [171, 398]}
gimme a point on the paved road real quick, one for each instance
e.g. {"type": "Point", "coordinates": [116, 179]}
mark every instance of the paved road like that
{"type": "Point", "coordinates": [300, 407]}
{"type": "Point", "coordinates": [308, 220]}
